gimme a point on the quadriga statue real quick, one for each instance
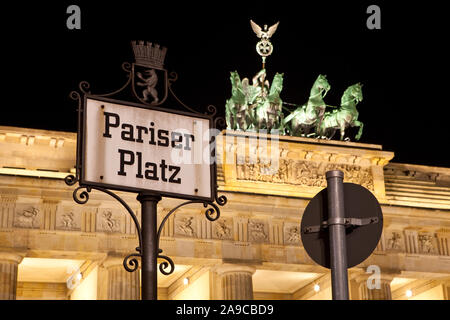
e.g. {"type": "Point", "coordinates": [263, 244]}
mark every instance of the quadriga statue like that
{"type": "Point", "coordinates": [258, 108]}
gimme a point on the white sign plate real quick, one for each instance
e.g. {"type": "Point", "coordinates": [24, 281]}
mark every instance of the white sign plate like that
{"type": "Point", "coordinates": [132, 148]}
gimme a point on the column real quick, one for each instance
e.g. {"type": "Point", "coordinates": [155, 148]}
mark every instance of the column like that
{"type": "Point", "coordinates": [235, 282]}
{"type": "Point", "coordinates": [8, 275]}
{"type": "Point", "coordinates": [121, 284]}
{"type": "Point", "coordinates": [374, 288]}
{"type": "Point", "coordinates": [446, 287]}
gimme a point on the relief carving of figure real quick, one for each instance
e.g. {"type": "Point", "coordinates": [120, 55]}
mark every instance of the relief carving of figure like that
{"type": "Point", "coordinates": [256, 230]}
{"type": "Point", "coordinates": [185, 227]}
{"type": "Point", "coordinates": [108, 223]}
{"type": "Point", "coordinates": [223, 231]}
{"type": "Point", "coordinates": [426, 243]}
{"type": "Point", "coordinates": [394, 242]}
{"type": "Point", "coordinates": [68, 221]}
{"type": "Point", "coordinates": [27, 218]}
{"type": "Point", "coordinates": [293, 234]}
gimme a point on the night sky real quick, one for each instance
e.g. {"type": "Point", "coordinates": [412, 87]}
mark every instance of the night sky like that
{"type": "Point", "coordinates": [402, 66]}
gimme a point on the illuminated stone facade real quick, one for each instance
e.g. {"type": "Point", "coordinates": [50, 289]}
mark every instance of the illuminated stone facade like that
{"type": "Point", "coordinates": [53, 248]}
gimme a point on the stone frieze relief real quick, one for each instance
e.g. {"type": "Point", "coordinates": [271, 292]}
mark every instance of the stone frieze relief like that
{"type": "Point", "coordinates": [300, 172]}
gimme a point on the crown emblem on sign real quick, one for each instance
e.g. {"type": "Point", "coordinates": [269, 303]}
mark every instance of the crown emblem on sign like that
{"type": "Point", "coordinates": [149, 55]}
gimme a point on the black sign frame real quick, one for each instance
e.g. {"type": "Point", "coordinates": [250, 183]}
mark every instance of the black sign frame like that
{"type": "Point", "coordinates": [81, 149]}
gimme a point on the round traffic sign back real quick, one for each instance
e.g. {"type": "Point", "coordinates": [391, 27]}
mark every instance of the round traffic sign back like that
{"type": "Point", "coordinates": [360, 206]}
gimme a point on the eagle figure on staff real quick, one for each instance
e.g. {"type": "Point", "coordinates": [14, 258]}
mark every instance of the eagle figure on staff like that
{"type": "Point", "coordinates": [264, 47]}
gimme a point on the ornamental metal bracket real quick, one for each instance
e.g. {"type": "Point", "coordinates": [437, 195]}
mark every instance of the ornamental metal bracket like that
{"type": "Point", "coordinates": [212, 214]}
{"type": "Point", "coordinates": [347, 222]}
{"type": "Point", "coordinates": [130, 262]}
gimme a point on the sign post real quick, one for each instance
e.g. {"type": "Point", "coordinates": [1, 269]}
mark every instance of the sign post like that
{"type": "Point", "coordinates": [340, 228]}
{"type": "Point", "coordinates": [149, 270]}
{"type": "Point", "coordinates": [135, 145]}
{"type": "Point", "coordinates": [338, 244]}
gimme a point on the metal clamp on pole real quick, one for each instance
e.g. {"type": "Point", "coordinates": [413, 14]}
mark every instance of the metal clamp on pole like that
{"type": "Point", "coordinates": [338, 248]}
{"type": "Point", "coordinates": [347, 222]}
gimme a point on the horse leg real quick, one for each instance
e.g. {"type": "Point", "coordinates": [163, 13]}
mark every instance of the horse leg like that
{"type": "Point", "coordinates": [228, 119]}
{"type": "Point", "coordinates": [320, 132]}
{"type": "Point", "coordinates": [342, 129]}
{"type": "Point", "coordinates": [280, 127]}
{"type": "Point", "coordinates": [279, 123]}
{"type": "Point", "coordinates": [260, 124]}
{"type": "Point", "coordinates": [250, 120]}
{"type": "Point", "coordinates": [233, 121]}
{"type": "Point", "coordinates": [230, 116]}
{"type": "Point", "coordinates": [270, 123]}
{"type": "Point", "coordinates": [295, 129]}
{"type": "Point", "coordinates": [359, 124]}
{"type": "Point", "coordinates": [240, 119]}
{"type": "Point", "coordinates": [237, 122]}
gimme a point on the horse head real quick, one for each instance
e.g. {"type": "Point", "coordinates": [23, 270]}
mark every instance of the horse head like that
{"type": "Point", "coordinates": [237, 91]}
{"type": "Point", "coordinates": [235, 79]}
{"type": "Point", "coordinates": [277, 84]}
{"type": "Point", "coordinates": [352, 93]}
{"type": "Point", "coordinates": [321, 86]}
{"type": "Point", "coordinates": [357, 92]}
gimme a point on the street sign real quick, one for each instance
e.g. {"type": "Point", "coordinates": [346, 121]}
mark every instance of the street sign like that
{"type": "Point", "coordinates": [138, 146]}
{"type": "Point", "coordinates": [132, 147]}
{"type": "Point", "coordinates": [363, 223]}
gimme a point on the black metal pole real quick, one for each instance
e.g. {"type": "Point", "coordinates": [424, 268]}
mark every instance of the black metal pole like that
{"type": "Point", "coordinates": [336, 226]}
{"type": "Point", "coordinates": [149, 250]}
